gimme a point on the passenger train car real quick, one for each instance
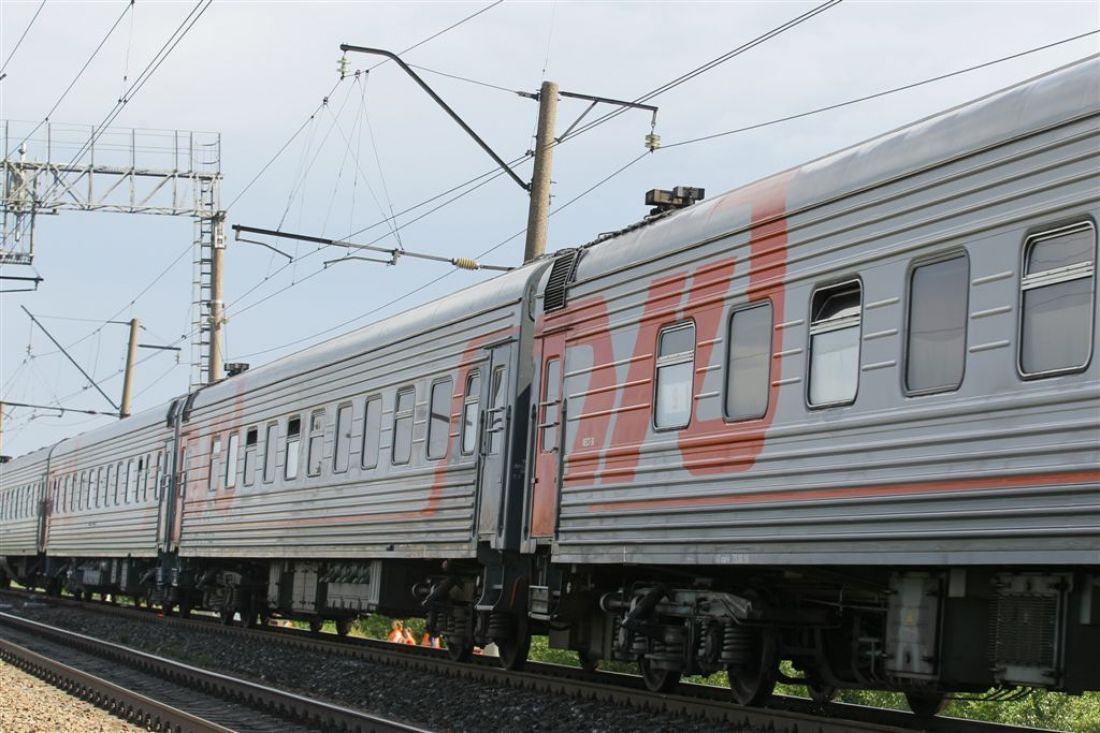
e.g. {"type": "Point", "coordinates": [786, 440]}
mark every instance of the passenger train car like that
{"type": "Point", "coordinates": [846, 416]}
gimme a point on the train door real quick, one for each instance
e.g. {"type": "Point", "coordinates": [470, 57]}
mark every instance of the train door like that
{"type": "Point", "coordinates": [165, 493]}
{"type": "Point", "coordinates": [494, 444]}
{"type": "Point", "coordinates": [548, 437]}
{"type": "Point", "coordinates": [186, 450]}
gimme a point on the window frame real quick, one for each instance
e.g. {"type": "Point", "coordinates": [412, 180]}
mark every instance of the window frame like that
{"type": "Point", "coordinates": [250, 449]}
{"type": "Point", "coordinates": [316, 434]}
{"type": "Point", "coordinates": [215, 462]}
{"type": "Point", "coordinates": [271, 452]}
{"type": "Point", "coordinates": [429, 433]}
{"type": "Point", "coordinates": [344, 444]}
{"type": "Point", "coordinates": [232, 456]}
{"type": "Point", "coordinates": [1032, 237]}
{"type": "Point", "coordinates": [408, 389]}
{"type": "Point", "coordinates": [470, 400]}
{"type": "Point", "coordinates": [907, 315]}
{"type": "Point", "coordinates": [657, 366]}
{"type": "Point", "coordinates": [363, 452]}
{"type": "Point", "coordinates": [287, 476]}
{"type": "Point", "coordinates": [544, 426]}
{"type": "Point", "coordinates": [833, 285]}
{"type": "Point", "coordinates": [765, 302]}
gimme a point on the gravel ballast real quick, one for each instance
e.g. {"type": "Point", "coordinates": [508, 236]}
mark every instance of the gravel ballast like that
{"type": "Point", "coordinates": [29, 705]}
{"type": "Point", "coordinates": [438, 703]}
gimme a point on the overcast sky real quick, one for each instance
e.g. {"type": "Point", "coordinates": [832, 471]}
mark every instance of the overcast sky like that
{"type": "Point", "coordinates": [254, 72]}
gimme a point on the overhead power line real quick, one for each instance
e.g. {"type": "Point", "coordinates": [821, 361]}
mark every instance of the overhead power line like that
{"type": "Point", "coordinates": [883, 93]}
{"type": "Point", "coordinates": [684, 78]}
{"type": "Point", "coordinates": [46, 118]}
{"type": "Point", "coordinates": [324, 100]}
{"type": "Point", "coordinates": [24, 35]}
{"type": "Point", "coordinates": [146, 74]}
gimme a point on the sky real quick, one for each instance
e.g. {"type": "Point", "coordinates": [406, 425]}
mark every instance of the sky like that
{"type": "Point", "coordinates": [256, 73]}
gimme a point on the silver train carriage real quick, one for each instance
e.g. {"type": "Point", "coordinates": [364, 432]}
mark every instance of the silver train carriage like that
{"type": "Point", "coordinates": [847, 416]}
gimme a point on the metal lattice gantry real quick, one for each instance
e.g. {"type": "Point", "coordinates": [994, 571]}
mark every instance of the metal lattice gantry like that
{"type": "Point", "coordinates": [50, 167]}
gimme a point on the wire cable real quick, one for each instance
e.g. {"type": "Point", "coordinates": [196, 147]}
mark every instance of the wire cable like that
{"type": "Point", "coordinates": [699, 70]}
{"type": "Point", "coordinates": [879, 94]}
{"type": "Point", "coordinates": [87, 63]}
{"type": "Point", "coordinates": [444, 275]}
{"type": "Point", "coordinates": [25, 32]}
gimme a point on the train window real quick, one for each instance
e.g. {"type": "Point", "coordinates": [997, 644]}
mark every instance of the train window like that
{"type": "Point", "coordinates": [143, 477]}
{"type": "Point", "coordinates": [439, 418]}
{"type": "Point", "coordinates": [469, 412]}
{"type": "Point", "coordinates": [341, 450]}
{"type": "Point", "coordinates": [675, 376]}
{"type": "Point", "coordinates": [935, 347]}
{"type": "Point", "coordinates": [834, 344]}
{"type": "Point", "coordinates": [85, 489]}
{"type": "Point", "coordinates": [495, 416]}
{"type": "Point", "coordinates": [315, 454]}
{"type": "Point", "coordinates": [293, 447]}
{"type": "Point", "coordinates": [215, 457]}
{"type": "Point", "coordinates": [157, 476]}
{"type": "Point", "coordinates": [251, 446]}
{"type": "Point", "coordinates": [1058, 287]}
{"type": "Point", "coordinates": [112, 485]}
{"type": "Point", "coordinates": [100, 488]}
{"type": "Point", "coordinates": [372, 428]}
{"type": "Point", "coordinates": [231, 449]}
{"type": "Point", "coordinates": [130, 488]}
{"type": "Point", "coordinates": [748, 367]}
{"type": "Point", "coordinates": [550, 394]}
{"type": "Point", "coordinates": [271, 439]}
{"type": "Point", "coordinates": [403, 425]}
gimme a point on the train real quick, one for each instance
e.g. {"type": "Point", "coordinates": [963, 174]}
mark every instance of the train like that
{"type": "Point", "coordinates": [839, 427]}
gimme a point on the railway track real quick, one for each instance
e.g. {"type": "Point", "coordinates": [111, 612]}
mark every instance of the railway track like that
{"type": "Point", "coordinates": [692, 700]}
{"type": "Point", "coordinates": [166, 695]}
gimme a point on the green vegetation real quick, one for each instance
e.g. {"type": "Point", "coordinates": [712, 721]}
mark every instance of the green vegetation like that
{"type": "Point", "coordinates": [1052, 710]}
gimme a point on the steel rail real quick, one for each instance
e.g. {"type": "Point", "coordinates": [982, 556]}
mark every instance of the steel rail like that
{"type": "Point", "coordinates": [268, 699]}
{"type": "Point", "coordinates": [784, 713]}
{"type": "Point", "coordinates": [126, 704]}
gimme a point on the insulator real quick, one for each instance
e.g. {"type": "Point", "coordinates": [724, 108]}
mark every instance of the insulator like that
{"type": "Point", "coordinates": [465, 263]}
{"type": "Point", "coordinates": [652, 141]}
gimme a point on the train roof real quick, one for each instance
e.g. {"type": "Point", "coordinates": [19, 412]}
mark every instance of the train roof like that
{"type": "Point", "coordinates": [1052, 98]}
{"type": "Point", "coordinates": [479, 297]}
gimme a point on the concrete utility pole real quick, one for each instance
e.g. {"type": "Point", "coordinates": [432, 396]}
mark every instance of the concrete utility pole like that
{"type": "Point", "coordinates": [538, 214]}
{"type": "Point", "coordinates": [128, 379]}
{"type": "Point", "coordinates": [217, 305]}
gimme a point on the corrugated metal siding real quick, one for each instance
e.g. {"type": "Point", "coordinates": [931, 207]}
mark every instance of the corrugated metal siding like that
{"type": "Point", "coordinates": [126, 528]}
{"type": "Point", "coordinates": [1002, 469]}
{"type": "Point", "coordinates": [423, 509]}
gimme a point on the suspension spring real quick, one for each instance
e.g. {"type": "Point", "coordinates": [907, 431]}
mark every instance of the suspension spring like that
{"type": "Point", "coordinates": [738, 644]}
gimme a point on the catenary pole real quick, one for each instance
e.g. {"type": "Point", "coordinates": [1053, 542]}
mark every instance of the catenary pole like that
{"type": "Point", "coordinates": [128, 379]}
{"type": "Point", "coordinates": [538, 213]}
{"type": "Point", "coordinates": [217, 301]}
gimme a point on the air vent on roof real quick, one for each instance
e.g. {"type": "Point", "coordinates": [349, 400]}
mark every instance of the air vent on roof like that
{"type": "Point", "coordinates": [561, 274]}
{"type": "Point", "coordinates": [678, 198]}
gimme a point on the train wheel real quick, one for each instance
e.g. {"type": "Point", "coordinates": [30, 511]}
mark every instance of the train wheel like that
{"type": "Point", "coordinates": [926, 704]}
{"type": "Point", "coordinates": [820, 692]}
{"type": "Point", "coordinates": [753, 680]}
{"type": "Point", "coordinates": [316, 624]}
{"type": "Point", "coordinates": [513, 652]}
{"type": "Point", "coordinates": [658, 680]}
{"type": "Point", "coordinates": [5, 582]}
{"type": "Point", "coordinates": [185, 609]}
{"type": "Point", "coordinates": [226, 616]}
{"type": "Point", "coordinates": [589, 662]}
{"type": "Point", "coordinates": [459, 650]}
{"type": "Point", "coordinates": [343, 626]}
